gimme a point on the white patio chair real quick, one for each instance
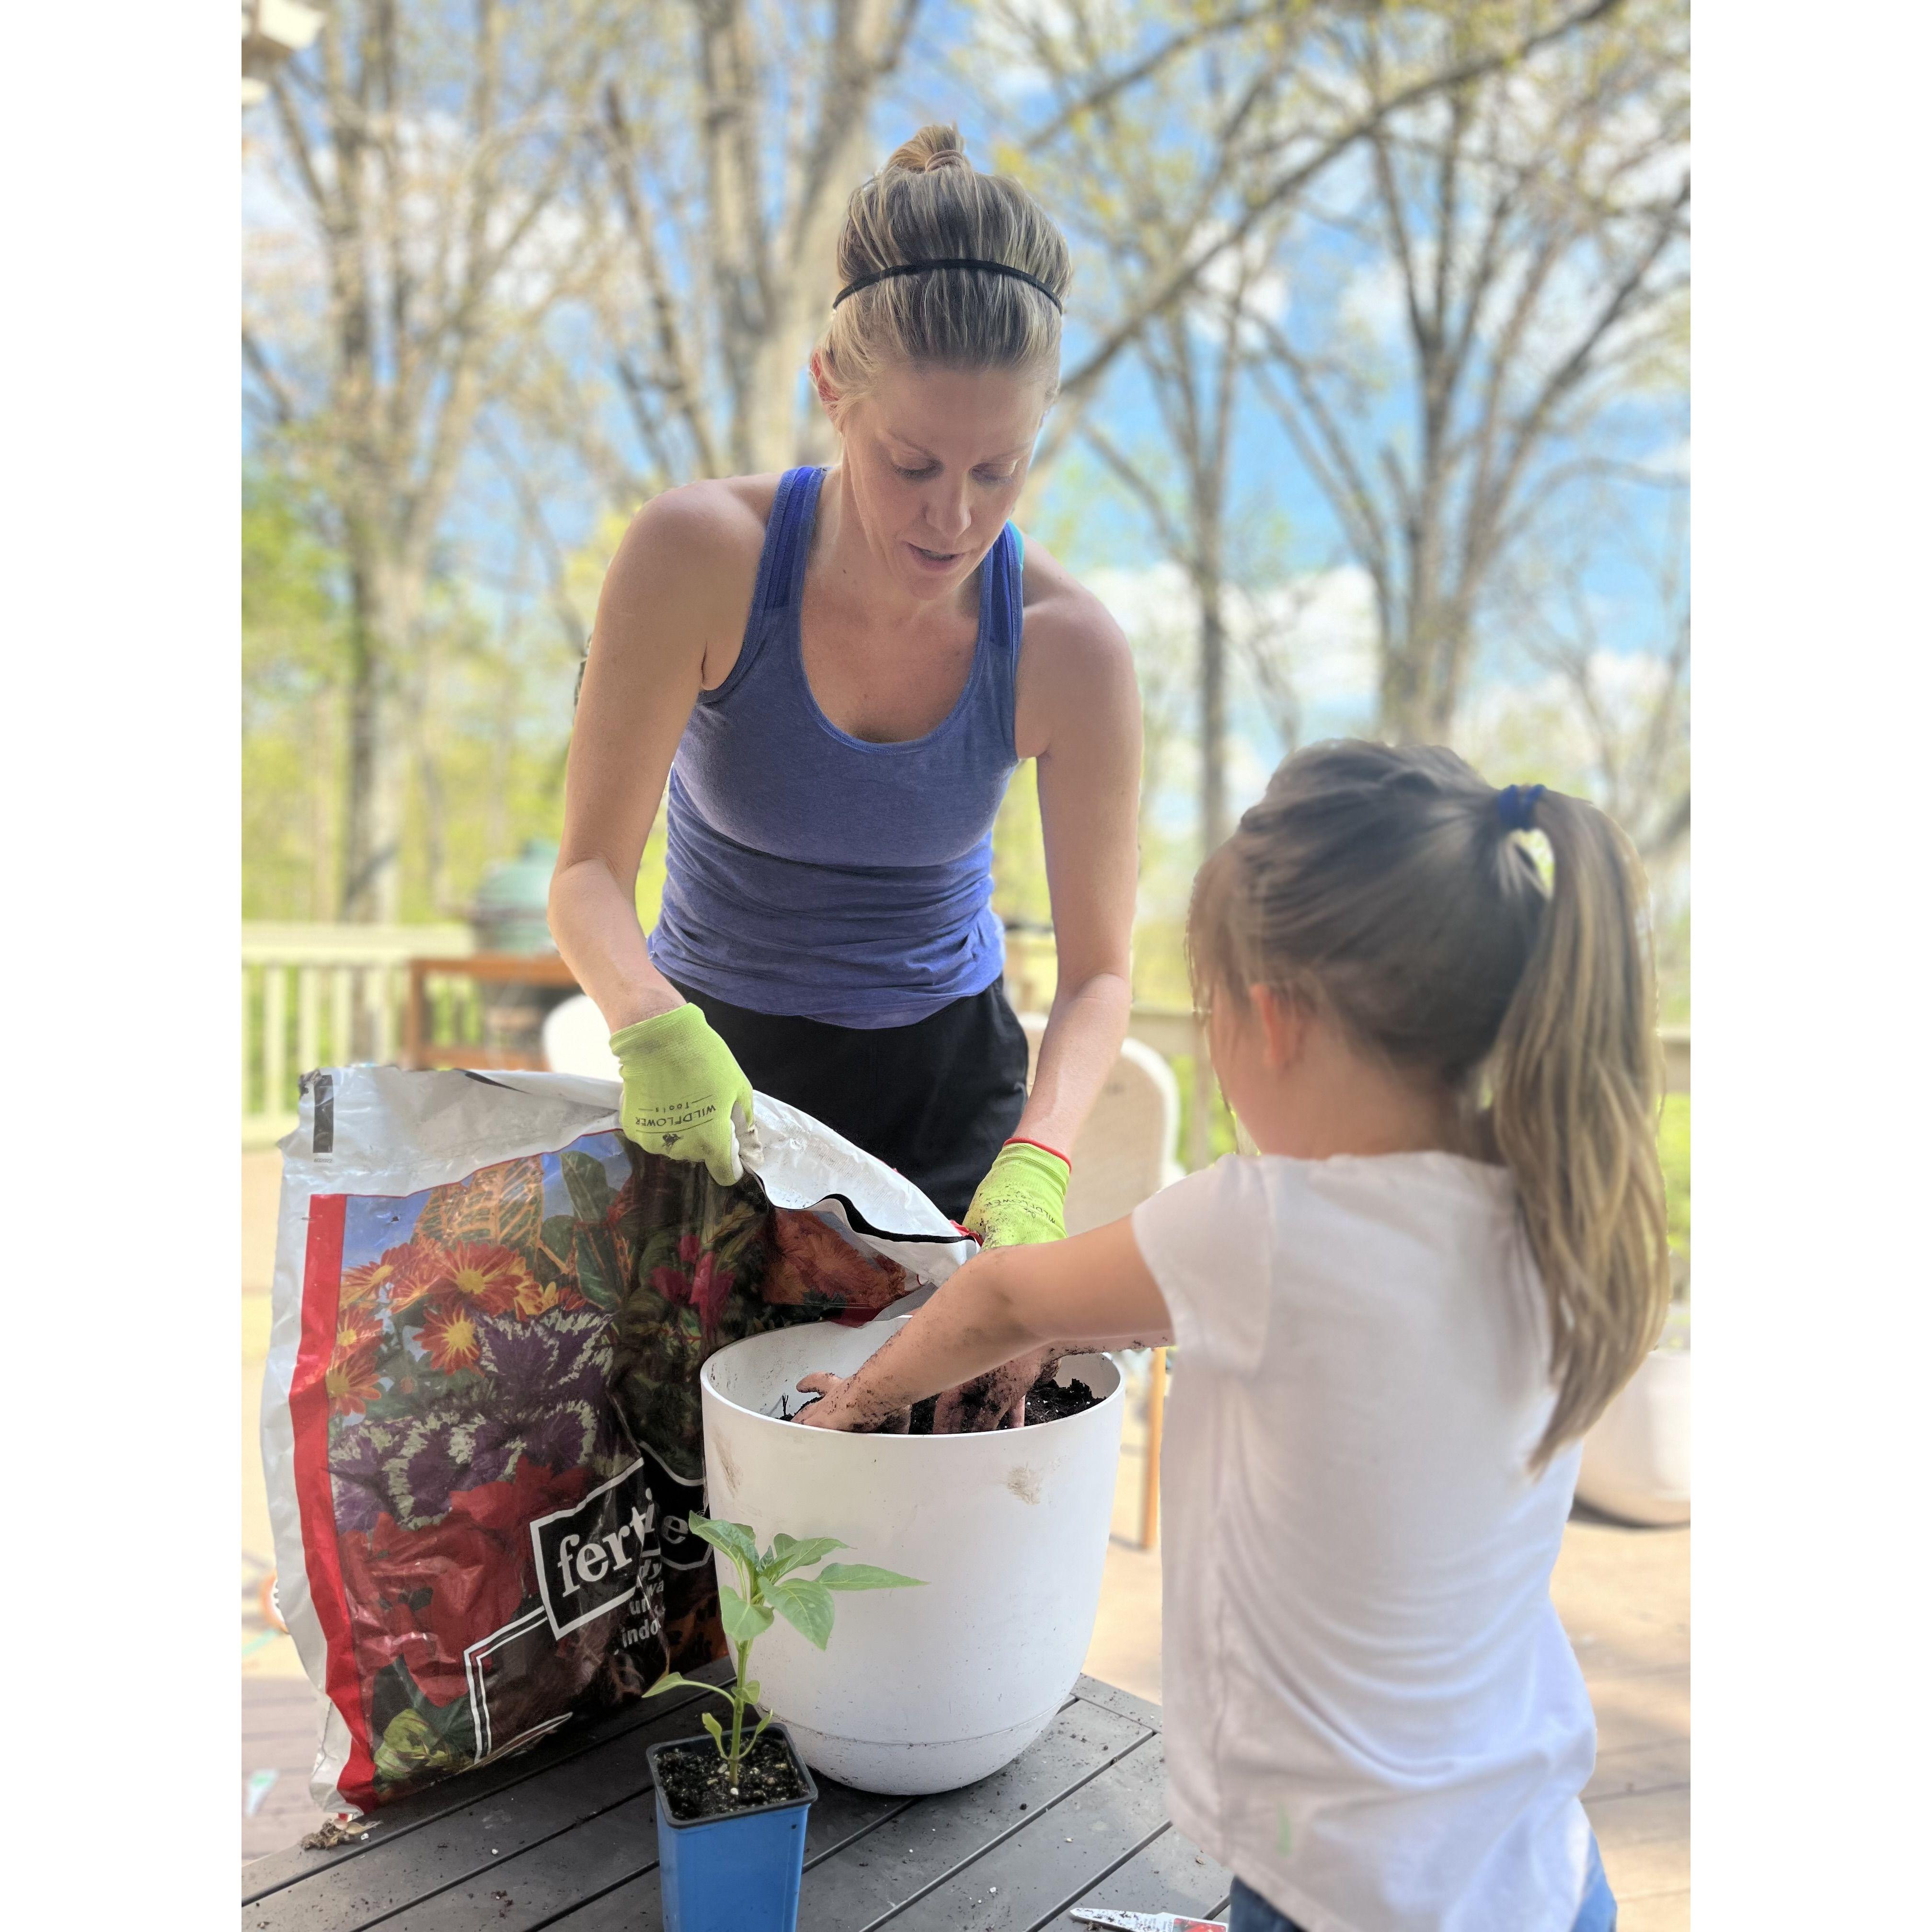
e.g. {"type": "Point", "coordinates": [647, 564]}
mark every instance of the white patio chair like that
{"type": "Point", "coordinates": [1126, 1150]}
{"type": "Point", "coordinates": [1125, 1153]}
{"type": "Point", "coordinates": [576, 1040]}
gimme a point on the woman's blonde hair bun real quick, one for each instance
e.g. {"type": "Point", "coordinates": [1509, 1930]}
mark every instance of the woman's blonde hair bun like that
{"type": "Point", "coordinates": [935, 146]}
{"type": "Point", "coordinates": [930, 203]}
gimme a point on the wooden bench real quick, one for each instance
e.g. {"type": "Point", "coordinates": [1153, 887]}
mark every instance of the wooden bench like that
{"type": "Point", "coordinates": [565, 1835]}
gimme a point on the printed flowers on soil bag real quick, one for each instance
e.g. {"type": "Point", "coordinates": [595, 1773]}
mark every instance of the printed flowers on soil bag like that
{"type": "Point", "coordinates": [495, 1432]}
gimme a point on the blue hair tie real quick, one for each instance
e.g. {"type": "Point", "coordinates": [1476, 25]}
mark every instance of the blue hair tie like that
{"type": "Point", "coordinates": [1515, 806]}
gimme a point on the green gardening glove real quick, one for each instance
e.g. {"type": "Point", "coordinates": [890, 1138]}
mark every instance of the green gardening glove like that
{"type": "Point", "coordinates": [684, 1095]}
{"type": "Point", "coordinates": [1022, 1198]}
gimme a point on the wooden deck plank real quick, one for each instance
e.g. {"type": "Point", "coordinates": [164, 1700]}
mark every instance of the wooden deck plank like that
{"type": "Point", "coordinates": [459, 1844]}
{"type": "Point", "coordinates": [1052, 1862]}
{"type": "Point", "coordinates": [1645, 1707]}
{"type": "Point", "coordinates": [1662, 1766]}
{"type": "Point", "coordinates": [1110, 1697]}
{"type": "Point", "coordinates": [263, 1876]}
{"type": "Point", "coordinates": [935, 1838]}
{"type": "Point", "coordinates": [284, 1708]}
{"type": "Point", "coordinates": [1171, 1875]}
{"type": "Point", "coordinates": [1641, 1818]}
{"type": "Point", "coordinates": [1660, 1911]}
{"type": "Point", "coordinates": [1646, 1870]}
{"type": "Point", "coordinates": [530, 1889]}
{"type": "Point", "coordinates": [853, 1879]}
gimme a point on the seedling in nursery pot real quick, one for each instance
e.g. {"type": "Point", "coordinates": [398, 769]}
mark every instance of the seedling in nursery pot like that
{"type": "Point", "coordinates": [731, 1814]}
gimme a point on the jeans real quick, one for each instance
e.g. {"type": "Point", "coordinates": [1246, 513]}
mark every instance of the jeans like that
{"type": "Point", "coordinates": [1249, 1912]}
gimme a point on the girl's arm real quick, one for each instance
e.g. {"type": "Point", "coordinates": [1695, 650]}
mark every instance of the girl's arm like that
{"type": "Point", "coordinates": [1090, 1292]}
{"type": "Point", "coordinates": [1078, 713]}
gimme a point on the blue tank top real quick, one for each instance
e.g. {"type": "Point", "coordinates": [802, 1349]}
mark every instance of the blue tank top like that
{"type": "Point", "coordinates": [808, 872]}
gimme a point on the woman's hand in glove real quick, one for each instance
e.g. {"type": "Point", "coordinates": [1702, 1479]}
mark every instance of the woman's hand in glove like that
{"type": "Point", "coordinates": [685, 1096]}
{"type": "Point", "coordinates": [1023, 1198]}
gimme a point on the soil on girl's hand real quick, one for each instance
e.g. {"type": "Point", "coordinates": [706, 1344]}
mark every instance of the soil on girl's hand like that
{"type": "Point", "coordinates": [1047, 1401]}
{"type": "Point", "coordinates": [695, 1784]}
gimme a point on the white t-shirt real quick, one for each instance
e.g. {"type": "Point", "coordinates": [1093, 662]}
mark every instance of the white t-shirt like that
{"type": "Point", "coordinates": [1372, 1715]}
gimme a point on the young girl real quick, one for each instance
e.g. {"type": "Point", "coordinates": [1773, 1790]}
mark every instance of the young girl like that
{"type": "Point", "coordinates": [1394, 1324]}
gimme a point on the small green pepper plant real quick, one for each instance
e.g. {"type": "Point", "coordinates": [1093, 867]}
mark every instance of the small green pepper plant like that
{"type": "Point", "coordinates": [771, 1585]}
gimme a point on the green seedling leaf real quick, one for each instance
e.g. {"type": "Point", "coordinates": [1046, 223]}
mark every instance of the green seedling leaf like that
{"type": "Point", "coordinates": [735, 1539]}
{"type": "Point", "coordinates": [866, 1577]}
{"type": "Point", "coordinates": [806, 1606]}
{"type": "Point", "coordinates": [744, 1623]}
{"type": "Point", "coordinates": [672, 1680]}
{"type": "Point", "coordinates": [788, 1554]}
{"type": "Point", "coordinates": [716, 1730]}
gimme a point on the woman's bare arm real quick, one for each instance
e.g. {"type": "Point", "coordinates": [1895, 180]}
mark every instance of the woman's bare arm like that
{"type": "Point", "coordinates": [669, 622]}
{"type": "Point", "coordinates": [1079, 714]}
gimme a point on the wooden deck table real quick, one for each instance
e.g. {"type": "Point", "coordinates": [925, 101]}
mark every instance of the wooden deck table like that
{"type": "Point", "coordinates": [565, 1835]}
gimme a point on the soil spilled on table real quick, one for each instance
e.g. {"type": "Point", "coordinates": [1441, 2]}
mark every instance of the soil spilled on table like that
{"type": "Point", "coordinates": [692, 1778]}
{"type": "Point", "coordinates": [1047, 1401]}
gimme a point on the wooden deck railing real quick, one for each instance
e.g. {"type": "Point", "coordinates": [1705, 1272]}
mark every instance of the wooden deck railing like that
{"type": "Point", "coordinates": [315, 995]}
{"type": "Point", "coordinates": [318, 996]}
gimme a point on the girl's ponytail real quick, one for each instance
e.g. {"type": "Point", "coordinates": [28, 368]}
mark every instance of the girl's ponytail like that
{"type": "Point", "coordinates": [1576, 1079]}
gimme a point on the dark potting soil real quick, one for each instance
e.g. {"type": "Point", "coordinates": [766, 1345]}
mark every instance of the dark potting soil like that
{"type": "Point", "coordinates": [1047, 1401]}
{"type": "Point", "coordinates": [693, 1780]}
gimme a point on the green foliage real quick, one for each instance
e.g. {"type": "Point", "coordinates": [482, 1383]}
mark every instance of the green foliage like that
{"type": "Point", "coordinates": [769, 1587]}
{"type": "Point", "coordinates": [1019, 852]}
{"type": "Point", "coordinates": [294, 643]}
{"type": "Point", "coordinates": [1673, 1150]}
{"type": "Point", "coordinates": [1220, 1118]}
{"type": "Point", "coordinates": [484, 706]}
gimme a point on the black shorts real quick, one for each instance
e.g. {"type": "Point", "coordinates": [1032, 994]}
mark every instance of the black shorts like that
{"type": "Point", "coordinates": [935, 1100]}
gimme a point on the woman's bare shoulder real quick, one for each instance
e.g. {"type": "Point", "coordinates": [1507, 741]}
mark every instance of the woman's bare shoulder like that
{"type": "Point", "coordinates": [1076, 677]}
{"type": "Point", "coordinates": [689, 558]}
{"type": "Point", "coordinates": [695, 528]}
{"type": "Point", "coordinates": [1069, 632]}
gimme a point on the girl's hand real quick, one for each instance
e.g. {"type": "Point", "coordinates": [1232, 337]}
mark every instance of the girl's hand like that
{"type": "Point", "coordinates": [995, 1400]}
{"type": "Point", "coordinates": [842, 1405]}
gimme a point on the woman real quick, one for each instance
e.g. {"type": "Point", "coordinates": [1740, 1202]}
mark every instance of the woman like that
{"type": "Point", "coordinates": [837, 671]}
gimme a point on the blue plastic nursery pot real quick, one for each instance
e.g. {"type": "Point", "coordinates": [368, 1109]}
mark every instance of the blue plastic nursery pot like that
{"type": "Point", "coordinates": [739, 1873]}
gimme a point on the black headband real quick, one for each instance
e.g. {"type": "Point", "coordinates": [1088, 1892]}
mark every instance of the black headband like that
{"type": "Point", "coordinates": [951, 261]}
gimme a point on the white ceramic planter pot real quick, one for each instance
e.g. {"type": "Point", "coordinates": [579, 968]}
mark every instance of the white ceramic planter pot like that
{"type": "Point", "coordinates": [1637, 1460]}
{"type": "Point", "coordinates": [922, 1690]}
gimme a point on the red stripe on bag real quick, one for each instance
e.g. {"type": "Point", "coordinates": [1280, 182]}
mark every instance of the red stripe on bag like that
{"type": "Point", "coordinates": [308, 1411]}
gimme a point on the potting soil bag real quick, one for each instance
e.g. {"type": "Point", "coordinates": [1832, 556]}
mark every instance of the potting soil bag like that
{"type": "Point", "coordinates": [481, 1423]}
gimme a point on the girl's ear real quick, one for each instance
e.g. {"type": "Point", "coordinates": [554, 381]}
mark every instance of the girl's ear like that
{"type": "Point", "coordinates": [1283, 1021]}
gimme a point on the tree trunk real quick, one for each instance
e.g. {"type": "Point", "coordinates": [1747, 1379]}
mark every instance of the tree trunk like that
{"type": "Point", "coordinates": [428, 712]}
{"type": "Point", "coordinates": [324, 792]}
{"type": "Point", "coordinates": [385, 595]}
{"type": "Point", "coordinates": [1213, 670]}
